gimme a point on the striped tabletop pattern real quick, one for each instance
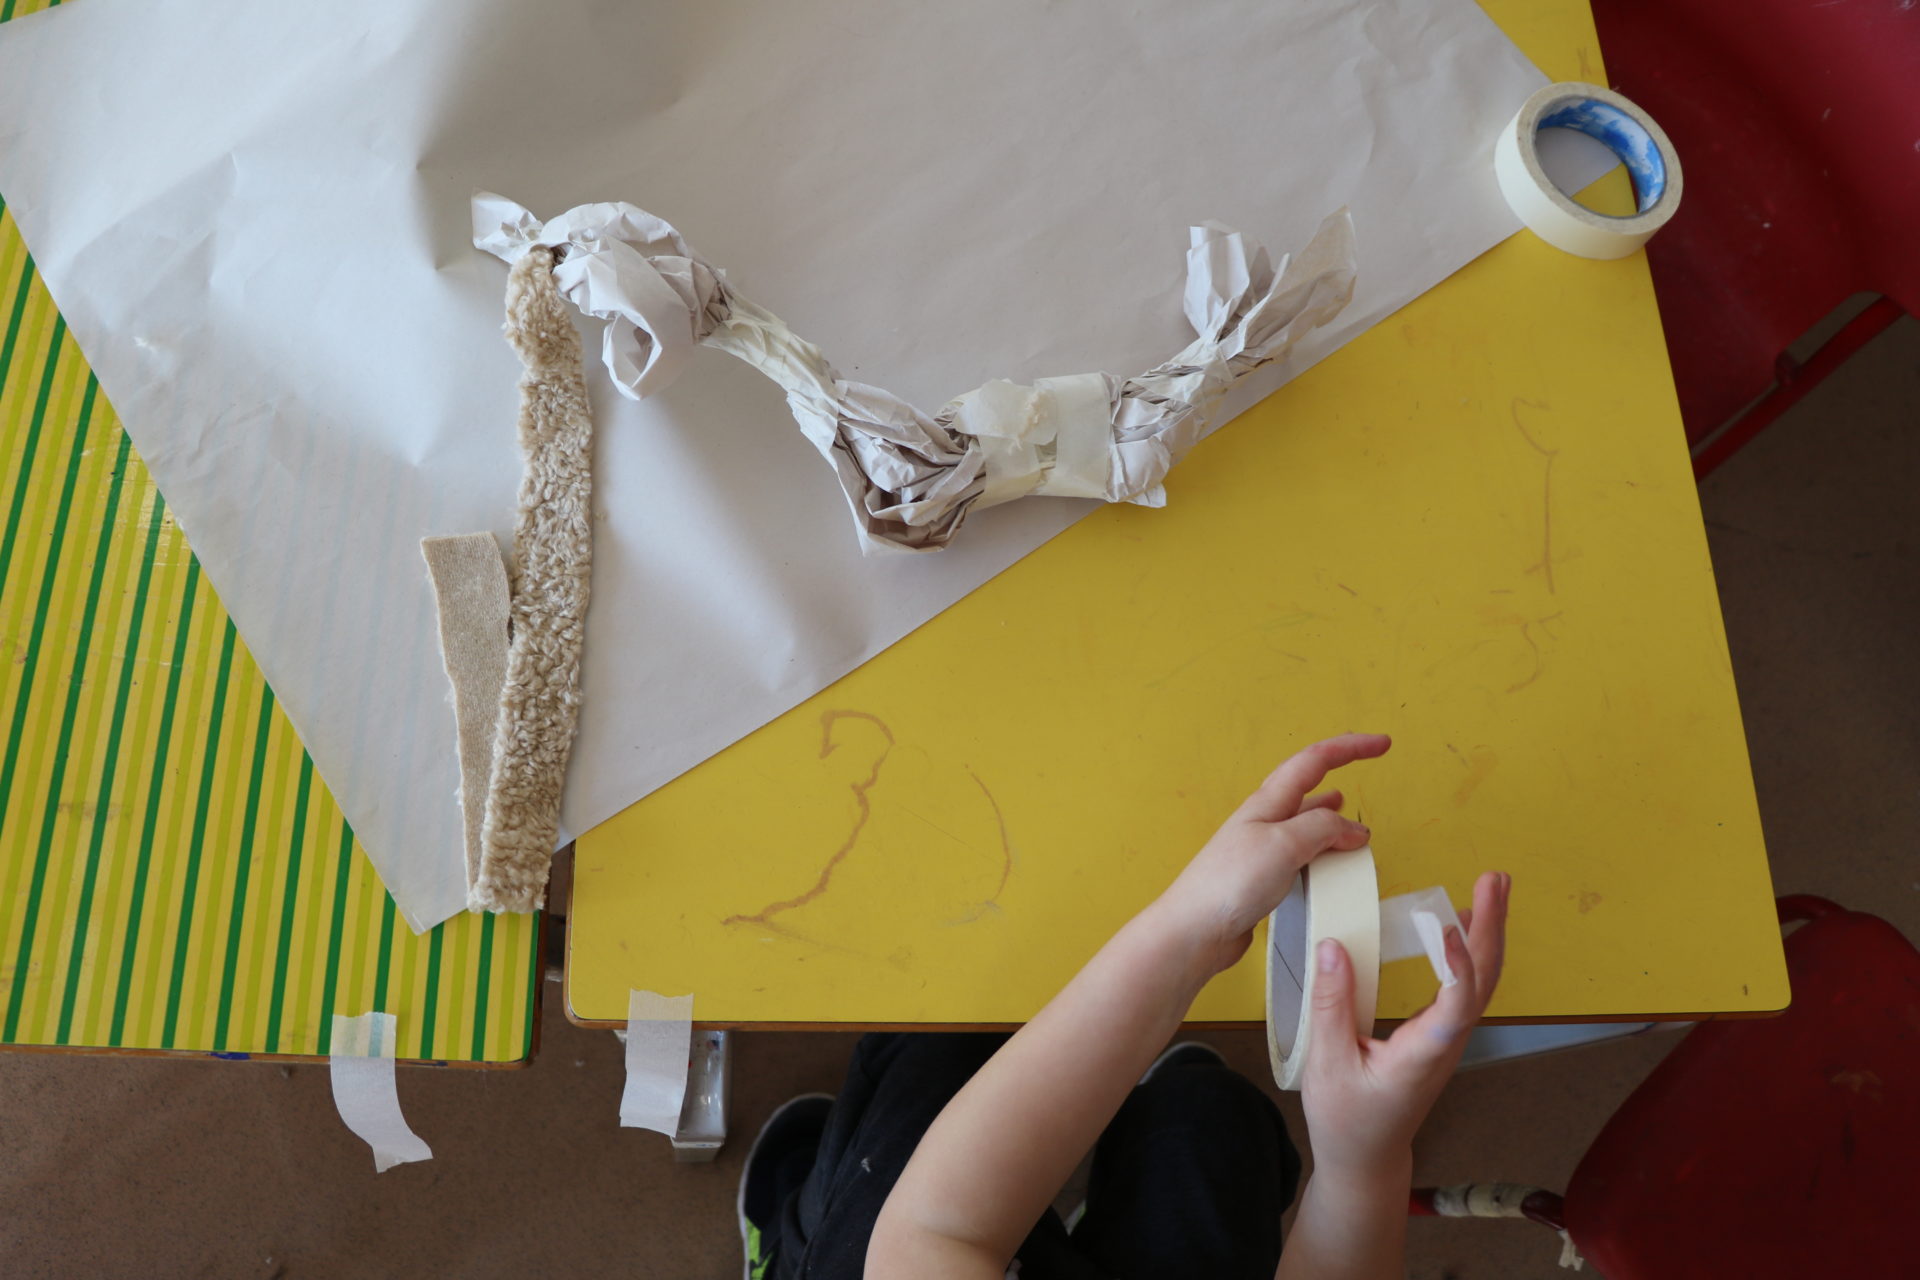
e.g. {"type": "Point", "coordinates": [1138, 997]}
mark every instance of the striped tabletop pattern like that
{"type": "Point", "coordinates": [173, 874]}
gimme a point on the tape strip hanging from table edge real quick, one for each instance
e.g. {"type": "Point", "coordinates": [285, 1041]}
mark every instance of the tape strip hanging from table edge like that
{"type": "Point", "coordinates": [361, 1064]}
{"type": "Point", "coordinates": [659, 1053]}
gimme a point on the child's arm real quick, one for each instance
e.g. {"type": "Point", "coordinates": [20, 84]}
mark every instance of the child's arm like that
{"type": "Point", "coordinates": [1364, 1098]}
{"type": "Point", "coordinates": [997, 1155]}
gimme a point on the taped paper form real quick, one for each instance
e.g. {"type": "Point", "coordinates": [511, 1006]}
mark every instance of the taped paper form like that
{"type": "Point", "coordinates": [255, 218]}
{"type": "Point", "coordinates": [912, 477]}
{"type": "Point", "coordinates": [659, 1049]}
{"type": "Point", "coordinates": [364, 1090]}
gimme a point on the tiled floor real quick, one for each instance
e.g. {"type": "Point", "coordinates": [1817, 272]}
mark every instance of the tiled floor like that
{"type": "Point", "coordinates": [149, 1168]}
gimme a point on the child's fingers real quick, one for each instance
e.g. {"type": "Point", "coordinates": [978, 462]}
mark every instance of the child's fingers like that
{"type": "Point", "coordinates": [1487, 939]}
{"type": "Point", "coordinates": [1323, 800]}
{"type": "Point", "coordinates": [1310, 834]}
{"type": "Point", "coordinates": [1279, 797]}
{"type": "Point", "coordinates": [1433, 1033]}
{"type": "Point", "coordinates": [1335, 1047]}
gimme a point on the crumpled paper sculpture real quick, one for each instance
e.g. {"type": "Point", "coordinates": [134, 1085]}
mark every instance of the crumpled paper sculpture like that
{"type": "Point", "coordinates": [910, 477]}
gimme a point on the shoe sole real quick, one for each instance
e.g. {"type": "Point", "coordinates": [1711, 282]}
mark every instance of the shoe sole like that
{"type": "Point", "coordinates": [1172, 1049]}
{"type": "Point", "coordinates": [740, 1193]}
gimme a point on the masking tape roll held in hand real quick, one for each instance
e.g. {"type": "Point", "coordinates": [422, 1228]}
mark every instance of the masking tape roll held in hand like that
{"type": "Point", "coordinates": [1336, 897]}
{"type": "Point", "coordinates": [1625, 130]}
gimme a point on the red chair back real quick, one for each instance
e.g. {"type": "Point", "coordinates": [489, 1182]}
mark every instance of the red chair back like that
{"type": "Point", "coordinates": [1798, 128]}
{"type": "Point", "coordinates": [1785, 1146]}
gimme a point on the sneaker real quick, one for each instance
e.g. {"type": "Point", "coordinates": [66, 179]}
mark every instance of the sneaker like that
{"type": "Point", "coordinates": [1186, 1053]}
{"type": "Point", "coordinates": [776, 1165]}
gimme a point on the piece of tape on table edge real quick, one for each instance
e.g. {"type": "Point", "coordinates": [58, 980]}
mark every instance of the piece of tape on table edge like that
{"type": "Point", "coordinates": [659, 1050]}
{"type": "Point", "coordinates": [361, 1062]}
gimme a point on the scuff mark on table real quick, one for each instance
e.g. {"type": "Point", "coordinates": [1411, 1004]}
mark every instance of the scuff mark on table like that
{"type": "Point", "coordinates": [1546, 489]}
{"type": "Point", "coordinates": [991, 903]}
{"type": "Point", "coordinates": [864, 811]}
{"type": "Point", "coordinates": [1539, 659]}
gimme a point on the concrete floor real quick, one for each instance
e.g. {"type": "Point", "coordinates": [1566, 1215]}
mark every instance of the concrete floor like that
{"type": "Point", "coordinates": [121, 1167]}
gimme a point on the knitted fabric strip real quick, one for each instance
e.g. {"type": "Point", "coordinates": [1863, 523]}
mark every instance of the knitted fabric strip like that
{"type": "Point", "coordinates": [553, 547]}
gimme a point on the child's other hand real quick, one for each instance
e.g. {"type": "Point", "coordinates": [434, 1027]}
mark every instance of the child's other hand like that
{"type": "Point", "coordinates": [1364, 1098]}
{"type": "Point", "coordinates": [1241, 874]}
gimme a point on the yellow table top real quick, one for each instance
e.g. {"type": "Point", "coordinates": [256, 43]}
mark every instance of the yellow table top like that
{"type": "Point", "coordinates": [174, 876]}
{"type": "Point", "coordinates": [1474, 528]}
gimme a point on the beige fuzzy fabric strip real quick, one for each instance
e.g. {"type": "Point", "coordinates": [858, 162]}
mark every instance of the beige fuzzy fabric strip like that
{"type": "Point", "coordinates": [471, 593]}
{"type": "Point", "coordinates": [553, 544]}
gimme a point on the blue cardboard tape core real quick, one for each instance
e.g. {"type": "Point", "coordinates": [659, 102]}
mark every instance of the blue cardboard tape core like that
{"type": "Point", "coordinates": [1621, 134]}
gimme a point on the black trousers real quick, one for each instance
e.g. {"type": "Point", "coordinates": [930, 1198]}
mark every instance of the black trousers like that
{"type": "Point", "coordinates": [1189, 1179]}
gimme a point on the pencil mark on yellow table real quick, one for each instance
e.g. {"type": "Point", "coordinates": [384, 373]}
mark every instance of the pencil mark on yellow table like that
{"type": "Point", "coordinates": [1479, 767]}
{"type": "Point", "coordinates": [1539, 659]}
{"type": "Point", "coordinates": [1539, 663]}
{"type": "Point", "coordinates": [863, 811]}
{"type": "Point", "coordinates": [991, 903]}
{"type": "Point", "coordinates": [1546, 489]}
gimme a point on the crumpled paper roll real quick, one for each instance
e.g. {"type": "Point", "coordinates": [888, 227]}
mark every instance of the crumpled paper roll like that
{"type": "Point", "coordinates": [911, 478]}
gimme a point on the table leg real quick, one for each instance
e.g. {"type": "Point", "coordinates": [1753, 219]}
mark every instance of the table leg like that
{"type": "Point", "coordinates": [703, 1117]}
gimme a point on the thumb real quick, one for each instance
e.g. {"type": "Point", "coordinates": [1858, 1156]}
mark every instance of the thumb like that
{"type": "Point", "coordinates": [1336, 1040]}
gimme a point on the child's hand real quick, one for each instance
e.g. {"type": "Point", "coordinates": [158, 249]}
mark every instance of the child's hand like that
{"type": "Point", "coordinates": [1365, 1098]}
{"type": "Point", "coordinates": [1241, 874]}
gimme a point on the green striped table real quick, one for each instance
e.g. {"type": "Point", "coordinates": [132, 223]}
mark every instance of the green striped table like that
{"type": "Point", "coordinates": [174, 877]}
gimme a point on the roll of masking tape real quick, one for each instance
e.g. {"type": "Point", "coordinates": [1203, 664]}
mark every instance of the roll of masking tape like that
{"type": "Point", "coordinates": [1337, 896]}
{"type": "Point", "coordinates": [1623, 129]}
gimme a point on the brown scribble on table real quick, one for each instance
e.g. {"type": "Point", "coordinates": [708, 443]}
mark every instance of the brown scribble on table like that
{"type": "Point", "coordinates": [1546, 489]}
{"type": "Point", "coordinates": [1539, 659]}
{"type": "Point", "coordinates": [1539, 663]}
{"type": "Point", "coordinates": [864, 806]}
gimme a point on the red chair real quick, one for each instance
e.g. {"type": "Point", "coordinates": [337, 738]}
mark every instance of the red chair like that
{"type": "Point", "coordinates": [1785, 1146]}
{"type": "Point", "coordinates": [1798, 125]}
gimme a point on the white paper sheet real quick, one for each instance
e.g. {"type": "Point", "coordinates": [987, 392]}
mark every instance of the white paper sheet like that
{"type": "Point", "coordinates": [255, 218]}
